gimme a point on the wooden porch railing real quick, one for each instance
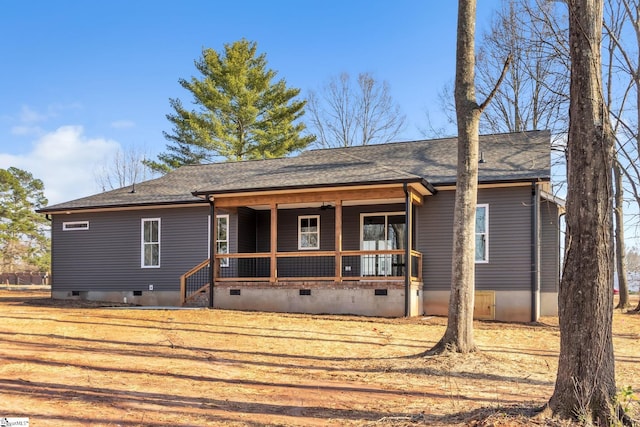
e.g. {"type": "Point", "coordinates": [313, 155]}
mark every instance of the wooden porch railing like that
{"type": "Point", "coordinates": [255, 267]}
{"type": "Point", "coordinates": [194, 281]}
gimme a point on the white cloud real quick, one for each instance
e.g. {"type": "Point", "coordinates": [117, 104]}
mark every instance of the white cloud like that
{"type": "Point", "coordinates": [26, 130]}
{"type": "Point", "coordinates": [122, 124]}
{"type": "Point", "coordinates": [65, 161]}
{"type": "Point", "coordinates": [29, 115]}
{"type": "Point", "coordinates": [28, 121]}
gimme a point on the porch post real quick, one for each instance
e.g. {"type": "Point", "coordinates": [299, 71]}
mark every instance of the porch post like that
{"type": "Point", "coordinates": [274, 242]}
{"type": "Point", "coordinates": [212, 247]}
{"type": "Point", "coordinates": [338, 231]}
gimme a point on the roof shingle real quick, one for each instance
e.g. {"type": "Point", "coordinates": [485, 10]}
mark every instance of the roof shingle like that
{"type": "Point", "coordinates": [508, 157]}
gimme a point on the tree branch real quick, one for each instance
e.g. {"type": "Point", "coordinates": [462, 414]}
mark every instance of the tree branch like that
{"type": "Point", "coordinates": [505, 68]}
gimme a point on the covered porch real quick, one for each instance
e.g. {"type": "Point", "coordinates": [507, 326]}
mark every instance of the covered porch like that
{"type": "Point", "coordinates": [344, 250]}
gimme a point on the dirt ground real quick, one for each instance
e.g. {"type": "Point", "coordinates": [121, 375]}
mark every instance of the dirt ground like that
{"type": "Point", "coordinates": [82, 364]}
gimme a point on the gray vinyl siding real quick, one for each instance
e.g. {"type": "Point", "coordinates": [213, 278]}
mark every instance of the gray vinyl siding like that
{"type": "Point", "coordinates": [107, 256]}
{"type": "Point", "coordinates": [247, 243]}
{"type": "Point", "coordinates": [288, 242]}
{"type": "Point", "coordinates": [549, 247]}
{"type": "Point", "coordinates": [288, 228]}
{"type": "Point", "coordinates": [246, 230]}
{"type": "Point", "coordinates": [351, 227]}
{"type": "Point", "coordinates": [263, 231]}
{"type": "Point", "coordinates": [509, 266]}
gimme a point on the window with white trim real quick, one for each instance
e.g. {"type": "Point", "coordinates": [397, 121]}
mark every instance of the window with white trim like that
{"type": "Point", "coordinates": [75, 225]}
{"type": "Point", "coordinates": [382, 231]}
{"type": "Point", "coordinates": [309, 232]}
{"type": "Point", "coordinates": [150, 251]}
{"type": "Point", "coordinates": [482, 233]}
{"type": "Point", "coordinates": [222, 238]}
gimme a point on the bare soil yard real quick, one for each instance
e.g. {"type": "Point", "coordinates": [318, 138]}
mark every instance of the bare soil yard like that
{"type": "Point", "coordinates": [80, 364]}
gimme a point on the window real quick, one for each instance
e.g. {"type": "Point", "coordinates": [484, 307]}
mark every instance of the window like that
{"type": "Point", "coordinates": [309, 232]}
{"type": "Point", "coordinates": [150, 243]}
{"type": "Point", "coordinates": [222, 238]}
{"type": "Point", "coordinates": [379, 232]}
{"type": "Point", "coordinates": [482, 233]}
{"type": "Point", "coordinates": [75, 225]}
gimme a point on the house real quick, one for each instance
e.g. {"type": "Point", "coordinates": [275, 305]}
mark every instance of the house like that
{"type": "Point", "coordinates": [361, 230]}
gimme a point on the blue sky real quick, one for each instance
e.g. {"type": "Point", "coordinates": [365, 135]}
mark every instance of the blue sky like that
{"type": "Point", "coordinates": [79, 79]}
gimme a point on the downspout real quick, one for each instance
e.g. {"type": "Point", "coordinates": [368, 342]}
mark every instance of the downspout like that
{"type": "Point", "coordinates": [212, 248]}
{"type": "Point", "coordinates": [50, 219]}
{"type": "Point", "coordinates": [407, 256]}
{"type": "Point", "coordinates": [535, 250]}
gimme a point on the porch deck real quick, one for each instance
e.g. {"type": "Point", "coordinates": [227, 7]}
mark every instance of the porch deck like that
{"type": "Point", "coordinates": [363, 276]}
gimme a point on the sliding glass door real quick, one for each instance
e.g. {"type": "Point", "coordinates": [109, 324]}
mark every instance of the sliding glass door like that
{"type": "Point", "coordinates": [383, 231]}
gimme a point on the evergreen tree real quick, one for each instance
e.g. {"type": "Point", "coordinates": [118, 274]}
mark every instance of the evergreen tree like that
{"type": "Point", "coordinates": [24, 241]}
{"type": "Point", "coordinates": [241, 112]}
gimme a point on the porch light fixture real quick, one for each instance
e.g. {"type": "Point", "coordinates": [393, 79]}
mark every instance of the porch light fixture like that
{"type": "Point", "coordinates": [325, 207]}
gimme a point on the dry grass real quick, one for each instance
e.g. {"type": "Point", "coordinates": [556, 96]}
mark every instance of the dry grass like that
{"type": "Point", "coordinates": [81, 364]}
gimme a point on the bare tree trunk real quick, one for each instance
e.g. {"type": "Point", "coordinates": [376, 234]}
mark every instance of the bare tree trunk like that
{"type": "Point", "coordinates": [613, 29]}
{"type": "Point", "coordinates": [459, 333]}
{"type": "Point", "coordinates": [585, 383]}
{"type": "Point", "coordinates": [458, 336]}
{"type": "Point", "coordinates": [621, 251]}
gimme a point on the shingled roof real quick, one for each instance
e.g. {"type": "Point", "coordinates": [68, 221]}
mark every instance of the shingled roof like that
{"type": "Point", "coordinates": [507, 158]}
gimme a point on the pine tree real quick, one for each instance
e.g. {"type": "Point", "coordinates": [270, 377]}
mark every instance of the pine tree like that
{"type": "Point", "coordinates": [24, 241]}
{"type": "Point", "coordinates": [241, 112]}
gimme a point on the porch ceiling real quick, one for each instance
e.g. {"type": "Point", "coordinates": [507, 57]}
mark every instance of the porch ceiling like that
{"type": "Point", "coordinates": [346, 196]}
{"type": "Point", "coordinates": [328, 204]}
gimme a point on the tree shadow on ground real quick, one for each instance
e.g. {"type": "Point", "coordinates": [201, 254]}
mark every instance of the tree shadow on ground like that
{"type": "Point", "coordinates": [519, 415]}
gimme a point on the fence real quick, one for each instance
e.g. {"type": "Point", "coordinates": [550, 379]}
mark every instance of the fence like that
{"type": "Point", "coordinates": [25, 278]}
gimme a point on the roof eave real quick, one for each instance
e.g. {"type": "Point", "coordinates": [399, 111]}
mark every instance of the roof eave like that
{"type": "Point", "coordinates": [56, 210]}
{"type": "Point", "coordinates": [416, 179]}
{"type": "Point", "coordinates": [498, 181]}
{"type": "Point", "coordinates": [545, 195]}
